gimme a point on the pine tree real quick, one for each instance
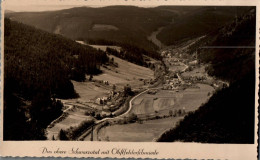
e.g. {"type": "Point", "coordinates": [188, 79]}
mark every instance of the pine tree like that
{"type": "Point", "coordinates": [62, 135]}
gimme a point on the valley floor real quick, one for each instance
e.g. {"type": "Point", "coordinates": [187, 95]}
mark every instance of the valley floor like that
{"type": "Point", "coordinates": [163, 107]}
{"type": "Point", "coordinates": [183, 89]}
{"type": "Point", "coordinates": [146, 131]}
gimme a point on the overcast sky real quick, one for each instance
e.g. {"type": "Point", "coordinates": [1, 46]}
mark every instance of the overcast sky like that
{"type": "Point", "coordinates": [47, 5]}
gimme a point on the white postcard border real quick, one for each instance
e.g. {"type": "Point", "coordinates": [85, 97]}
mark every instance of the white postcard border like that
{"type": "Point", "coordinates": [165, 150]}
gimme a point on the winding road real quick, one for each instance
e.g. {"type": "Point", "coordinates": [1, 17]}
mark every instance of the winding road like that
{"type": "Point", "coordinates": [117, 117]}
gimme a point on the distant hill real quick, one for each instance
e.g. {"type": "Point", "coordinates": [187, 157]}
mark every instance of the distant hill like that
{"type": "Point", "coordinates": [129, 24]}
{"type": "Point", "coordinates": [38, 69]}
{"type": "Point", "coordinates": [228, 116]}
{"type": "Point", "coordinates": [197, 22]}
{"type": "Point", "coordinates": [124, 24]}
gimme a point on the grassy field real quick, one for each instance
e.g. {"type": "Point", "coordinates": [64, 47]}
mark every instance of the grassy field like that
{"type": "Point", "coordinates": [101, 47]}
{"type": "Point", "coordinates": [136, 132]}
{"type": "Point", "coordinates": [165, 100]}
{"type": "Point", "coordinates": [125, 73]}
{"type": "Point", "coordinates": [104, 47]}
{"type": "Point", "coordinates": [90, 90]}
{"type": "Point", "coordinates": [75, 117]}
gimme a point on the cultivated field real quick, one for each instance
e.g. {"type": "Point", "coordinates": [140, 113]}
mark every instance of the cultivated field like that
{"type": "Point", "coordinates": [137, 132]}
{"type": "Point", "coordinates": [164, 100]}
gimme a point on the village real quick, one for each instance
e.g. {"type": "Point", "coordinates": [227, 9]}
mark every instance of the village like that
{"type": "Point", "coordinates": [192, 72]}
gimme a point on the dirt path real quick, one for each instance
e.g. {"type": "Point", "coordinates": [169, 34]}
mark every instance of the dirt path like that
{"type": "Point", "coordinates": [49, 133]}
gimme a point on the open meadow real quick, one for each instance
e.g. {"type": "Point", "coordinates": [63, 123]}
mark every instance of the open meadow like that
{"type": "Point", "coordinates": [136, 132]}
{"type": "Point", "coordinates": [165, 100]}
{"type": "Point", "coordinates": [90, 90]}
{"type": "Point", "coordinates": [125, 73]}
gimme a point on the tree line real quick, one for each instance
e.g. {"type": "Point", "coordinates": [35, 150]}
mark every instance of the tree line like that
{"type": "Point", "coordinates": [127, 46]}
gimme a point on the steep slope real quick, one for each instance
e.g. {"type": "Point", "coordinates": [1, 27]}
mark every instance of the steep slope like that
{"type": "Point", "coordinates": [197, 22]}
{"type": "Point", "coordinates": [229, 49]}
{"type": "Point", "coordinates": [38, 69]}
{"type": "Point", "coordinates": [228, 117]}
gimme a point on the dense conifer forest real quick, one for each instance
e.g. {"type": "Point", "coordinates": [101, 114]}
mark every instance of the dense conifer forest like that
{"type": "Point", "coordinates": [38, 69]}
{"type": "Point", "coordinates": [129, 49]}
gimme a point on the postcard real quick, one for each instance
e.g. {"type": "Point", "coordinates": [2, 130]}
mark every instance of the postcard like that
{"type": "Point", "coordinates": [159, 79]}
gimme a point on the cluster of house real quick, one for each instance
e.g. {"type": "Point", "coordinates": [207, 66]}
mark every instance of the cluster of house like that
{"type": "Point", "coordinates": [192, 63]}
{"type": "Point", "coordinates": [104, 100]}
{"type": "Point", "coordinates": [104, 82]}
{"type": "Point", "coordinates": [172, 82]}
{"type": "Point", "coordinates": [166, 53]}
{"type": "Point", "coordinates": [220, 85]}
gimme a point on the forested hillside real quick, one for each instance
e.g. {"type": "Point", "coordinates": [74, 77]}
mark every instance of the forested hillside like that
{"type": "Point", "coordinates": [133, 54]}
{"type": "Point", "coordinates": [228, 117]}
{"type": "Point", "coordinates": [38, 69]}
{"type": "Point", "coordinates": [130, 50]}
{"type": "Point", "coordinates": [124, 24]}
{"type": "Point", "coordinates": [197, 22]}
{"type": "Point", "coordinates": [129, 24]}
{"type": "Point", "coordinates": [229, 49]}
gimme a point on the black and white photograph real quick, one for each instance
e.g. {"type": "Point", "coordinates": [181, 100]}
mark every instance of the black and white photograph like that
{"type": "Point", "coordinates": [129, 73]}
